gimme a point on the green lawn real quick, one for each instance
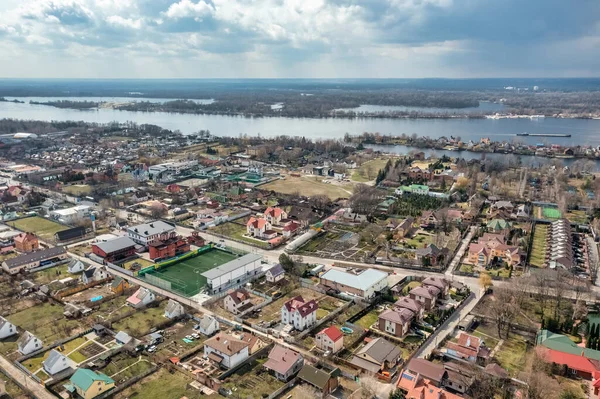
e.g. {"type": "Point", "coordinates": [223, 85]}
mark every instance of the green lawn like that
{"type": "Point", "coordinates": [42, 375]}
{"type": "Point", "coordinates": [410, 286]}
{"type": "Point", "coordinates": [35, 363]}
{"type": "Point", "coordinates": [44, 228]}
{"type": "Point", "coordinates": [419, 240]}
{"type": "Point", "coordinates": [321, 313]}
{"type": "Point", "coordinates": [368, 170]}
{"type": "Point", "coordinates": [368, 320]}
{"type": "Point", "coordinates": [466, 268]}
{"type": "Point", "coordinates": [141, 322]}
{"type": "Point", "coordinates": [538, 249]}
{"type": "Point", "coordinates": [237, 231]}
{"type": "Point", "coordinates": [512, 356]}
{"type": "Point", "coordinates": [54, 273]}
{"type": "Point", "coordinates": [78, 189]}
{"type": "Point", "coordinates": [161, 385]}
{"type": "Point", "coordinates": [46, 321]}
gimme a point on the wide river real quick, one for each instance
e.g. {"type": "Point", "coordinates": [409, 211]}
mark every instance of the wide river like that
{"type": "Point", "coordinates": [583, 131]}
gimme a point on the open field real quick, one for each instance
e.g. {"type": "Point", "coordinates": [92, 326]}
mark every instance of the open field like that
{"type": "Point", "coordinates": [44, 228]}
{"type": "Point", "coordinates": [78, 189]}
{"type": "Point", "coordinates": [368, 170]}
{"type": "Point", "coordinates": [161, 385]}
{"type": "Point", "coordinates": [252, 380]}
{"type": "Point", "coordinates": [308, 186]}
{"type": "Point", "coordinates": [141, 261]}
{"type": "Point", "coordinates": [123, 367]}
{"type": "Point", "coordinates": [343, 242]}
{"type": "Point", "coordinates": [142, 321]}
{"type": "Point", "coordinates": [46, 321]}
{"type": "Point", "coordinates": [538, 249]}
{"type": "Point", "coordinates": [186, 276]}
{"type": "Point", "coordinates": [54, 273]}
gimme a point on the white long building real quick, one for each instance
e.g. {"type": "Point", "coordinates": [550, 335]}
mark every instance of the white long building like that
{"type": "Point", "coordinates": [234, 273]}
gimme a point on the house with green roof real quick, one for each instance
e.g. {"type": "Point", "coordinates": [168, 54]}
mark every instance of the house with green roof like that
{"type": "Point", "coordinates": [498, 225]}
{"type": "Point", "coordinates": [413, 189]}
{"type": "Point", "coordinates": [385, 206]}
{"type": "Point", "coordinates": [88, 384]}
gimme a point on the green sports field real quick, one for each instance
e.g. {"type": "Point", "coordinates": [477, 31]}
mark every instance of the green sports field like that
{"type": "Point", "coordinates": [551, 213]}
{"type": "Point", "coordinates": [186, 277]}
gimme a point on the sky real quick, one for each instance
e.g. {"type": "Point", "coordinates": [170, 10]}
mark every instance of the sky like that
{"type": "Point", "coordinates": [299, 38]}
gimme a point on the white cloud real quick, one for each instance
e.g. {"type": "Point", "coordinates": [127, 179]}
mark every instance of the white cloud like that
{"type": "Point", "coordinates": [188, 9]}
{"type": "Point", "coordinates": [119, 21]}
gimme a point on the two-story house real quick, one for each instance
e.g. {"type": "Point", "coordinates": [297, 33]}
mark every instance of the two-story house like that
{"type": "Point", "coordinates": [142, 297]}
{"type": "Point", "coordinates": [89, 384]}
{"type": "Point", "coordinates": [426, 296]}
{"type": "Point", "coordinates": [237, 301]}
{"type": "Point", "coordinates": [396, 322]}
{"type": "Point", "coordinates": [468, 347]}
{"type": "Point", "coordinates": [411, 304]}
{"type": "Point", "coordinates": [7, 329]}
{"type": "Point", "coordinates": [274, 215]}
{"type": "Point", "coordinates": [257, 227]}
{"type": "Point", "coordinates": [330, 339]}
{"type": "Point", "coordinates": [226, 350]}
{"type": "Point", "coordinates": [28, 343]}
{"type": "Point", "coordinates": [299, 313]}
{"type": "Point", "coordinates": [438, 283]}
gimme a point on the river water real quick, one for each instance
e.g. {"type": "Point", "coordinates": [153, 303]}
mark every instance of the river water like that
{"type": "Point", "coordinates": [583, 131]}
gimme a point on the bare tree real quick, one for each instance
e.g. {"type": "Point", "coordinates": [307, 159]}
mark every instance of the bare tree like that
{"type": "Point", "coordinates": [541, 284]}
{"type": "Point", "coordinates": [306, 391]}
{"type": "Point", "coordinates": [504, 310]}
{"type": "Point", "coordinates": [368, 385]}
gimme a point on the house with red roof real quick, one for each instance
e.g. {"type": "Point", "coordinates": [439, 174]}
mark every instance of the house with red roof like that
{"type": "Point", "coordinates": [330, 339]}
{"type": "Point", "coordinates": [257, 227]}
{"type": "Point", "coordinates": [299, 313]}
{"type": "Point", "coordinates": [468, 347]}
{"type": "Point", "coordinates": [422, 379]}
{"type": "Point", "coordinates": [275, 215]}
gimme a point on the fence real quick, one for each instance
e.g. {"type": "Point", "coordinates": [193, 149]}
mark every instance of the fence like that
{"type": "Point", "coordinates": [119, 269]}
{"type": "Point", "coordinates": [52, 346]}
{"type": "Point", "coordinates": [260, 353]}
{"type": "Point", "coordinates": [48, 266]}
{"type": "Point", "coordinates": [70, 291]}
{"type": "Point", "coordinates": [324, 320]}
{"type": "Point", "coordinates": [281, 390]}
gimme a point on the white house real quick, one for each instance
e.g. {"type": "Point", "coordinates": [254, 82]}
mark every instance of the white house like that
{"type": "Point", "coordinates": [330, 339]}
{"type": "Point", "coordinates": [174, 309]}
{"type": "Point", "coordinates": [75, 266]}
{"type": "Point", "coordinates": [142, 297]}
{"type": "Point", "coordinates": [92, 274]}
{"type": "Point", "coordinates": [234, 273]}
{"type": "Point", "coordinates": [226, 350]}
{"type": "Point", "coordinates": [28, 343]}
{"type": "Point", "coordinates": [208, 325]}
{"type": "Point", "coordinates": [237, 301]}
{"type": "Point", "coordinates": [274, 215]}
{"type": "Point", "coordinates": [71, 215]}
{"type": "Point", "coordinates": [358, 282]}
{"type": "Point", "coordinates": [55, 363]}
{"type": "Point", "coordinates": [275, 273]}
{"type": "Point", "coordinates": [7, 329]}
{"type": "Point", "coordinates": [257, 227]}
{"type": "Point", "coordinates": [299, 313]}
{"type": "Point", "coordinates": [144, 233]}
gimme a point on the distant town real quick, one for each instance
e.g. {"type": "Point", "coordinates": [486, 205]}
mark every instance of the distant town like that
{"type": "Point", "coordinates": [138, 262]}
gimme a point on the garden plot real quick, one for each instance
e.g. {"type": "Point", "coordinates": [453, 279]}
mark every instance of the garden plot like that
{"type": "Point", "coordinates": [344, 242]}
{"type": "Point", "coordinates": [142, 321]}
{"type": "Point", "coordinates": [252, 380]}
{"type": "Point", "coordinates": [174, 345]}
{"type": "Point", "coordinates": [272, 312]}
{"type": "Point", "coordinates": [161, 385]}
{"type": "Point", "coordinates": [123, 367]}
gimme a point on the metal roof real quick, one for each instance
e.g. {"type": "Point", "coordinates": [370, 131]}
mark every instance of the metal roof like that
{"type": "Point", "coordinates": [231, 266]}
{"type": "Point", "coordinates": [152, 228]}
{"type": "Point", "coordinates": [362, 281]}
{"type": "Point", "coordinates": [116, 244]}
{"type": "Point", "coordinates": [34, 257]}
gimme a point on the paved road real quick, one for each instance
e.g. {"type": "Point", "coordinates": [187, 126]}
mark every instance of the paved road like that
{"type": "Point", "coordinates": [464, 244]}
{"type": "Point", "coordinates": [18, 375]}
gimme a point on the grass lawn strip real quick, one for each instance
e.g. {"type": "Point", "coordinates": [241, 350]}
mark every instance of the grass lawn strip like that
{"type": "Point", "coordinates": [43, 227]}
{"type": "Point", "coordinates": [161, 385]}
{"type": "Point", "coordinates": [308, 186]}
{"type": "Point", "coordinates": [35, 363]}
{"type": "Point", "coordinates": [368, 320]}
{"type": "Point", "coordinates": [46, 321]}
{"type": "Point", "coordinates": [141, 322]}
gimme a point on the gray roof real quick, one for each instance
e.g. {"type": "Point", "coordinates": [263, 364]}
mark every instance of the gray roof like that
{"type": "Point", "coordinates": [116, 244]}
{"type": "Point", "coordinates": [122, 336]}
{"type": "Point", "coordinates": [174, 306]}
{"type": "Point", "coordinates": [231, 266]}
{"type": "Point", "coordinates": [314, 376]}
{"type": "Point", "coordinates": [276, 270]}
{"type": "Point", "coordinates": [34, 257]}
{"type": "Point", "coordinates": [381, 350]}
{"type": "Point", "coordinates": [24, 339]}
{"type": "Point", "coordinates": [206, 321]}
{"type": "Point", "coordinates": [152, 228]}
{"type": "Point", "coordinates": [53, 358]}
{"type": "Point", "coordinates": [362, 281]}
{"type": "Point", "coordinates": [3, 322]}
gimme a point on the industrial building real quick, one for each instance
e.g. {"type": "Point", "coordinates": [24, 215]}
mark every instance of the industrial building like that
{"type": "Point", "coordinates": [234, 273]}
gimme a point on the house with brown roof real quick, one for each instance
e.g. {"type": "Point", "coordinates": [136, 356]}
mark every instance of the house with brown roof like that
{"type": "Point", "coordinates": [414, 306]}
{"type": "Point", "coordinates": [237, 301]}
{"type": "Point", "coordinates": [492, 248]}
{"type": "Point", "coordinates": [330, 339]}
{"type": "Point", "coordinates": [422, 379]}
{"type": "Point", "coordinates": [225, 350]}
{"type": "Point", "coordinates": [284, 363]}
{"type": "Point", "coordinates": [431, 255]}
{"type": "Point", "coordinates": [396, 322]}
{"type": "Point", "coordinates": [468, 347]}
{"type": "Point", "coordinates": [299, 313]}
{"type": "Point", "coordinates": [426, 296]}
{"type": "Point", "coordinates": [377, 356]}
{"type": "Point", "coordinates": [438, 283]}
{"type": "Point", "coordinates": [325, 382]}
{"type": "Point", "coordinates": [257, 227]}
{"type": "Point", "coordinates": [274, 215]}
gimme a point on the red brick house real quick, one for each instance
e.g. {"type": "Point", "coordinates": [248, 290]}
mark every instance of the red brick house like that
{"type": "Point", "coordinates": [168, 245]}
{"type": "Point", "coordinates": [26, 242]}
{"type": "Point", "coordinates": [114, 250]}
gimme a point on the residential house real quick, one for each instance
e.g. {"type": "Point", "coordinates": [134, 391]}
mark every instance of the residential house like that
{"type": "Point", "coordinates": [364, 283]}
{"type": "Point", "coordinates": [414, 306]}
{"type": "Point", "coordinates": [174, 309]}
{"type": "Point", "coordinates": [257, 227]}
{"type": "Point", "coordinates": [438, 283]}
{"type": "Point", "coordinates": [498, 225]}
{"type": "Point", "coordinates": [145, 233]}
{"type": "Point", "coordinates": [55, 363]}
{"type": "Point", "coordinates": [560, 349]}
{"type": "Point", "coordinates": [89, 384]}
{"type": "Point", "coordinates": [226, 350]}
{"type": "Point", "coordinates": [26, 242]}
{"type": "Point", "coordinates": [422, 379]}
{"type": "Point", "coordinates": [254, 343]}
{"type": "Point", "coordinates": [114, 250]}
{"type": "Point", "coordinates": [237, 301]}
{"type": "Point", "coordinates": [142, 297]}
{"type": "Point", "coordinates": [354, 217]}
{"type": "Point", "coordinates": [119, 285]}
{"type": "Point", "coordinates": [420, 189]}
{"type": "Point", "coordinates": [501, 210]}
{"type": "Point", "coordinates": [208, 325]}
{"type": "Point", "coordinates": [299, 313]}
{"type": "Point", "coordinates": [403, 228]}
{"type": "Point", "coordinates": [275, 273]}
{"type": "Point", "coordinates": [7, 329]}
{"type": "Point", "coordinates": [28, 343]}
{"type": "Point", "coordinates": [385, 206]}
{"type": "Point", "coordinates": [330, 339]}
{"type": "Point", "coordinates": [426, 296]}
{"type": "Point", "coordinates": [325, 382]}
{"type": "Point", "coordinates": [492, 249]}
{"type": "Point", "coordinates": [431, 255]}
{"type": "Point", "coordinates": [75, 266]}
{"type": "Point", "coordinates": [468, 347]}
{"type": "Point", "coordinates": [290, 229]}
{"type": "Point", "coordinates": [284, 363]}
{"type": "Point", "coordinates": [377, 356]}
{"type": "Point", "coordinates": [92, 274]}
{"type": "Point", "coordinates": [396, 321]}
{"type": "Point", "coordinates": [122, 338]}
{"type": "Point", "coordinates": [274, 215]}
{"type": "Point", "coordinates": [32, 260]}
